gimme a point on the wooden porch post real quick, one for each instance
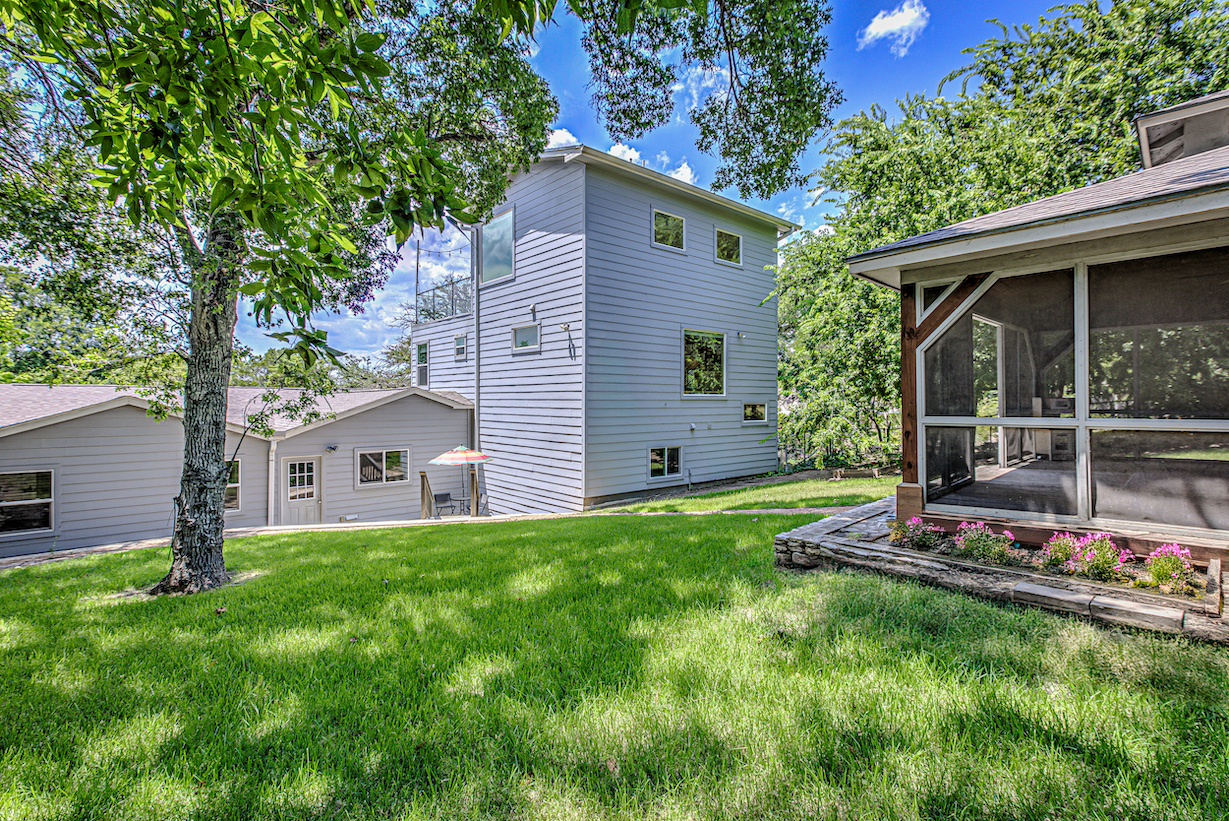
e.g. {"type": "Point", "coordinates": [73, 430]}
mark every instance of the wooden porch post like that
{"type": "Point", "coordinates": [909, 491]}
{"type": "Point", "coordinates": [426, 504]}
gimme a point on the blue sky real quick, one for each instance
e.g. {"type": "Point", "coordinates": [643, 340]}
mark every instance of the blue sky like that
{"type": "Point", "coordinates": [879, 52]}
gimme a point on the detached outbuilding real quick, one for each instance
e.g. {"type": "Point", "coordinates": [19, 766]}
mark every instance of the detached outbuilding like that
{"type": "Point", "coordinates": [1065, 363]}
{"type": "Point", "coordinates": [84, 465]}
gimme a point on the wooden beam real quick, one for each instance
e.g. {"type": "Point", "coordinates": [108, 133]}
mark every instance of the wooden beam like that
{"type": "Point", "coordinates": [908, 384]}
{"type": "Point", "coordinates": [949, 306]}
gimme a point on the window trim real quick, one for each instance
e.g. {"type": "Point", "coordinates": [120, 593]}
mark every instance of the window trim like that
{"type": "Point", "coordinates": [648, 463]}
{"type": "Point", "coordinates": [422, 367]}
{"type": "Point", "coordinates": [1083, 423]}
{"type": "Point", "coordinates": [238, 486]}
{"type": "Point", "coordinates": [653, 212]}
{"type": "Point", "coordinates": [383, 450]}
{"type": "Point", "coordinates": [725, 364]}
{"type": "Point", "coordinates": [717, 232]}
{"type": "Point", "coordinates": [508, 277]}
{"type": "Point", "coordinates": [460, 352]}
{"type": "Point", "coordinates": [525, 348]}
{"type": "Point", "coordinates": [754, 422]}
{"type": "Point", "coordinates": [50, 502]}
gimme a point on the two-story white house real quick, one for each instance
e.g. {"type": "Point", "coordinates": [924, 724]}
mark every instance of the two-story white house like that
{"type": "Point", "coordinates": [619, 335]}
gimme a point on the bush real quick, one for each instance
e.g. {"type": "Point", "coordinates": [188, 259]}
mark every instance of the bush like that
{"type": "Point", "coordinates": [1097, 557]}
{"type": "Point", "coordinates": [916, 534]}
{"type": "Point", "coordinates": [977, 541]}
{"type": "Point", "coordinates": [1170, 565]}
{"type": "Point", "coordinates": [1059, 549]}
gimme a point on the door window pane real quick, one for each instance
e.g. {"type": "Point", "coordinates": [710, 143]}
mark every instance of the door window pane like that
{"type": "Point", "coordinates": [1162, 477]}
{"type": "Point", "coordinates": [1159, 337]}
{"type": "Point", "coordinates": [1002, 468]}
{"type": "Point", "coordinates": [1012, 354]}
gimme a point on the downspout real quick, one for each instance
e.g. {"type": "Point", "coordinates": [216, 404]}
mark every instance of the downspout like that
{"type": "Point", "coordinates": [272, 482]}
{"type": "Point", "coordinates": [475, 244]}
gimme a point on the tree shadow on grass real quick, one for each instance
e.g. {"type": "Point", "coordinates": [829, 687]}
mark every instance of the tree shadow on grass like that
{"type": "Point", "coordinates": [614, 668]}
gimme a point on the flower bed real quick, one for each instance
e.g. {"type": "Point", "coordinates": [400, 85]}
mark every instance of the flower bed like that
{"type": "Point", "coordinates": [1167, 570]}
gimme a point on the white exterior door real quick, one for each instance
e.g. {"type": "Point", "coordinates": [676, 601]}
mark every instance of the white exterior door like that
{"type": "Point", "coordinates": [302, 484]}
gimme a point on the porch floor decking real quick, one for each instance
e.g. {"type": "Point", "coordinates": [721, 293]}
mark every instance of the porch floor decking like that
{"type": "Point", "coordinates": [858, 540]}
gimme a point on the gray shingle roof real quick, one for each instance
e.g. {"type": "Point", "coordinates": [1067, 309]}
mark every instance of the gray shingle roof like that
{"type": "Point", "coordinates": [27, 403]}
{"type": "Point", "coordinates": [1197, 174]}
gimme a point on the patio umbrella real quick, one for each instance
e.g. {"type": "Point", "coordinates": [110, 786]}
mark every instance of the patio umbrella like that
{"type": "Point", "coordinates": [465, 458]}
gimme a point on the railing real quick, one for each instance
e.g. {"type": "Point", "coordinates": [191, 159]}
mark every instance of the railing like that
{"type": "Point", "coordinates": [450, 298]}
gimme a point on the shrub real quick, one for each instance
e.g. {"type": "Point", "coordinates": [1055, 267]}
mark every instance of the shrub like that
{"type": "Point", "coordinates": [1170, 564]}
{"type": "Point", "coordinates": [977, 541]}
{"type": "Point", "coordinates": [1059, 549]}
{"type": "Point", "coordinates": [916, 534]}
{"type": "Point", "coordinates": [1097, 557]}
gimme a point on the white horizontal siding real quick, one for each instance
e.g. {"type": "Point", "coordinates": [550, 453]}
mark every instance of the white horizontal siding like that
{"type": "Point", "coordinates": [447, 372]}
{"type": "Point", "coordinates": [638, 300]}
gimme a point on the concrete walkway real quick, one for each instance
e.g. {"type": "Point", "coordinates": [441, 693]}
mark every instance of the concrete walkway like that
{"type": "Point", "coordinates": [16, 562]}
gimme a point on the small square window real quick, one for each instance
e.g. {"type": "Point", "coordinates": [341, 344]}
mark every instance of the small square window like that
{"type": "Point", "coordinates": [458, 346]}
{"type": "Point", "coordinates": [755, 412]}
{"type": "Point", "coordinates": [525, 338]}
{"type": "Point", "coordinates": [668, 230]}
{"type": "Point", "coordinates": [729, 247]}
{"type": "Point", "coordinates": [664, 461]}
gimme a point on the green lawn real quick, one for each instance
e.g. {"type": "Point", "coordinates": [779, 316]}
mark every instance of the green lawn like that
{"type": "Point", "coordinates": [785, 495]}
{"type": "Point", "coordinates": [606, 668]}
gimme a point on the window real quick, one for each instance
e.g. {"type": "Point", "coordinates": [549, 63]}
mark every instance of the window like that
{"type": "Point", "coordinates": [381, 467]}
{"type": "Point", "coordinates": [231, 498]}
{"type": "Point", "coordinates": [498, 242]}
{"type": "Point", "coordinates": [1012, 354]}
{"type": "Point", "coordinates": [25, 501]}
{"type": "Point", "coordinates": [525, 338]}
{"type": "Point", "coordinates": [664, 462]}
{"type": "Point", "coordinates": [1161, 476]}
{"type": "Point", "coordinates": [424, 366]}
{"type": "Point", "coordinates": [703, 363]}
{"type": "Point", "coordinates": [1158, 337]}
{"type": "Point", "coordinates": [729, 247]}
{"type": "Point", "coordinates": [668, 230]}
{"type": "Point", "coordinates": [755, 412]}
{"type": "Point", "coordinates": [458, 346]}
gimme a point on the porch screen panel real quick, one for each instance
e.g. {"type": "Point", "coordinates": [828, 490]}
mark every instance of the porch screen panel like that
{"type": "Point", "coordinates": [1163, 477]}
{"type": "Point", "coordinates": [1159, 337]}
{"type": "Point", "coordinates": [1011, 355]}
{"type": "Point", "coordinates": [1002, 468]}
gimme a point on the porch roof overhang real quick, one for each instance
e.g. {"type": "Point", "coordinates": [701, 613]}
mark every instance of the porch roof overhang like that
{"type": "Point", "coordinates": [1172, 195]}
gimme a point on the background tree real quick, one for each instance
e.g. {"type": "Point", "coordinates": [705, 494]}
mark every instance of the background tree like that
{"type": "Point", "coordinates": [1040, 110]}
{"type": "Point", "coordinates": [278, 145]}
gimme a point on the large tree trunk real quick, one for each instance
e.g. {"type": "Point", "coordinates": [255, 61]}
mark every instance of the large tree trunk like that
{"type": "Point", "coordinates": [196, 543]}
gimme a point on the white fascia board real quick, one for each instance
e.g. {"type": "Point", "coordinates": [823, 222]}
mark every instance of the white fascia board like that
{"type": "Point", "coordinates": [886, 269]}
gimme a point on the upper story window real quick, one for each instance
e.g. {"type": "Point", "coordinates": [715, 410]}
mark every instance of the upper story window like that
{"type": "Point", "coordinates": [703, 363]}
{"type": "Point", "coordinates": [231, 499]}
{"type": "Point", "coordinates": [25, 501]}
{"type": "Point", "coordinates": [498, 242]}
{"type": "Point", "coordinates": [525, 338]}
{"type": "Point", "coordinates": [458, 346]}
{"type": "Point", "coordinates": [668, 230]}
{"type": "Point", "coordinates": [423, 366]}
{"type": "Point", "coordinates": [381, 467]}
{"type": "Point", "coordinates": [729, 247]}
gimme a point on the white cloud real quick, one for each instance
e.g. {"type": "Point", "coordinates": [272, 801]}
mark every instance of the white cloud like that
{"type": "Point", "coordinates": [625, 152]}
{"type": "Point", "coordinates": [560, 137]}
{"type": "Point", "coordinates": [683, 173]}
{"type": "Point", "coordinates": [901, 26]}
{"type": "Point", "coordinates": [663, 160]}
{"type": "Point", "coordinates": [699, 83]}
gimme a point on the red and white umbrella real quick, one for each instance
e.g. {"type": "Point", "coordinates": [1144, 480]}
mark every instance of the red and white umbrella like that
{"type": "Point", "coordinates": [461, 455]}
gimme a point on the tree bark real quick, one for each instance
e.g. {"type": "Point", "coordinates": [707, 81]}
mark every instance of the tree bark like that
{"type": "Point", "coordinates": [196, 542]}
